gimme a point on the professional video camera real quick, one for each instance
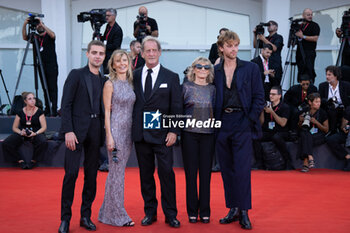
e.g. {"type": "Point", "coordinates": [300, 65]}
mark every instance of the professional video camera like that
{"type": "Point", "coordinates": [97, 18]}
{"type": "Point", "coordinates": [294, 27]}
{"type": "Point", "coordinates": [142, 27]}
{"type": "Point", "coordinates": [33, 21]}
{"type": "Point", "coordinates": [260, 28]}
{"type": "Point", "coordinates": [345, 26]}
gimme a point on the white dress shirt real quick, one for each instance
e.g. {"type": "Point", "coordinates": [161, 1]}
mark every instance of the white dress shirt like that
{"type": "Point", "coordinates": [266, 67]}
{"type": "Point", "coordinates": [334, 92]}
{"type": "Point", "coordinates": [154, 75]}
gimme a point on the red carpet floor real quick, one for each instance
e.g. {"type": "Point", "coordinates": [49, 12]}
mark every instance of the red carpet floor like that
{"type": "Point", "coordinates": [285, 201]}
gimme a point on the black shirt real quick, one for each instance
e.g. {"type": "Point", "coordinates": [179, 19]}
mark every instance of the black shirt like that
{"type": "Point", "coordinates": [151, 22]}
{"type": "Point", "coordinates": [213, 54]}
{"type": "Point", "coordinates": [347, 114]}
{"type": "Point", "coordinates": [47, 50]}
{"type": "Point", "coordinates": [275, 61]}
{"type": "Point", "coordinates": [231, 98]}
{"type": "Point", "coordinates": [96, 92]}
{"type": "Point", "coordinates": [35, 122]}
{"type": "Point", "coordinates": [309, 29]}
{"type": "Point", "coordinates": [282, 110]}
{"type": "Point", "coordinates": [137, 62]}
{"type": "Point", "coordinates": [321, 116]}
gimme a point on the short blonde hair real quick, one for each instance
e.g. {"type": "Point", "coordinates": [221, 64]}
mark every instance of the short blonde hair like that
{"type": "Point", "coordinates": [191, 76]}
{"type": "Point", "coordinates": [112, 73]}
{"type": "Point", "coordinates": [225, 37]}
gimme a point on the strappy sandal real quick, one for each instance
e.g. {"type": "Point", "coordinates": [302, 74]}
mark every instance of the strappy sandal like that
{"type": "Point", "coordinates": [311, 163]}
{"type": "Point", "coordinates": [129, 224]}
{"type": "Point", "coordinates": [305, 169]}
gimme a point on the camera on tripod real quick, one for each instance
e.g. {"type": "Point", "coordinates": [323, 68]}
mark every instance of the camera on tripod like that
{"type": "Point", "coordinates": [260, 28]}
{"type": "Point", "coordinates": [142, 27]}
{"type": "Point", "coordinates": [345, 26]}
{"type": "Point", "coordinates": [34, 21]}
{"type": "Point", "coordinates": [97, 18]}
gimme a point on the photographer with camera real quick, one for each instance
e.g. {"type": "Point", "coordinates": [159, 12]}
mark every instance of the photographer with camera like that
{"type": "Point", "coordinates": [344, 33]}
{"type": "Point", "coordinates": [296, 98]}
{"type": "Point", "coordinates": [46, 38]}
{"type": "Point", "coordinates": [276, 41]}
{"type": "Point", "coordinates": [336, 141]}
{"type": "Point", "coordinates": [29, 125]}
{"type": "Point", "coordinates": [313, 125]}
{"type": "Point", "coordinates": [335, 97]}
{"type": "Point", "coordinates": [267, 74]}
{"type": "Point", "coordinates": [144, 25]}
{"type": "Point", "coordinates": [308, 35]}
{"type": "Point", "coordinates": [274, 120]}
{"type": "Point", "coordinates": [112, 37]}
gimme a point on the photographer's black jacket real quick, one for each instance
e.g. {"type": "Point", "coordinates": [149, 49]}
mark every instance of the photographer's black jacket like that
{"type": "Point", "coordinates": [293, 96]}
{"type": "Point", "coordinates": [344, 91]}
{"type": "Point", "coordinates": [114, 38]}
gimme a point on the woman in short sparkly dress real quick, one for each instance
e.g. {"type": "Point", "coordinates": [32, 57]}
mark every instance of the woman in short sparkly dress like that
{"type": "Point", "coordinates": [118, 98]}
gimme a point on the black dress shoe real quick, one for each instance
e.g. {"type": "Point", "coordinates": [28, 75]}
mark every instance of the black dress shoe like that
{"type": "Point", "coordinates": [205, 220]}
{"type": "Point", "coordinates": [192, 219]}
{"type": "Point", "coordinates": [64, 227]}
{"type": "Point", "coordinates": [244, 220]}
{"type": "Point", "coordinates": [148, 220]}
{"type": "Point", "coordinates": [232, 216]}
{"type": "Point", "coordinates": [86, 222]}
{"type": "Point", "coordinates": [173, 222]}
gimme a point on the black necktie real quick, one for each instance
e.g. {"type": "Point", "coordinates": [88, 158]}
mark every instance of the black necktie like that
{"type": "Point", "coordinates": [148, 84]}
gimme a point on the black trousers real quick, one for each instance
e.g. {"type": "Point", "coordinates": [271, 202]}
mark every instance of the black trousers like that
{"type": "Point", "coordinates": [335, 142]}
{"type": "Point", "coordinates": [294, 118]}
{"type": "Point", "coordinates": [12, 143]}
{"type": "Point", "coordinates": [334, 118]}
{"type": "Point", "coordinates": [91, 146]}
{"type": "Point", "coordinates": [197, 154]}
{"type": "Point", "coordinates": [308, 141]}
{"type": "Point", "coordinates": [146, 153]}
{"type": "Point", "coordinates": [278, 138]}
{"type": "Point", "coordinates": [235, 150]}
{"type": "Point", "coordinates": [51, 73]}
{"type": "Point", "coordinates": [309, 66]}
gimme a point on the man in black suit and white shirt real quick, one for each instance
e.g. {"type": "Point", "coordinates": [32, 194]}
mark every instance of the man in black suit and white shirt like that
{"type": "Point", "coordinates": [157, 92]}
{"type": "Point", "coordinates": [81, 127]}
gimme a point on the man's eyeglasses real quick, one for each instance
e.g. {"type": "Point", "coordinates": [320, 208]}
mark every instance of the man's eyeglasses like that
{"type": "Point", "coordinates": [305, 84]}
{"type": "Point", "coordinates": [199, 66]}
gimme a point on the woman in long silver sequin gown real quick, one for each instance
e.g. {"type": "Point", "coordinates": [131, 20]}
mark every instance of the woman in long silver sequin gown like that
{"type": "Point", "coordinates": [118, 98]}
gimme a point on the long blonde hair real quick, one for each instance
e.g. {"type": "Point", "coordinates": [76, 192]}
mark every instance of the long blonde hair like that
{"type": "Point", "coordinates": [112, 73]}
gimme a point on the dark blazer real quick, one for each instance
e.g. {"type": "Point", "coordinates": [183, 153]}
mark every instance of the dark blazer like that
{"type": "Point", "coordinates": [114, 41]}
{"type": "Point", "coordinates": [167, 100]}
{"type": "Point", "coordinates": [344, 91]}
{"type": "Point", "coordinates": [294, 94]}
{"type": "Point", "coordinates": [273, 81]}
{"type": "Point", "coordinates": [250, 92]}
{"type": "Point", "coordinates": [213, 54]}
{"type": "Point", "coordinates": [77, 102]}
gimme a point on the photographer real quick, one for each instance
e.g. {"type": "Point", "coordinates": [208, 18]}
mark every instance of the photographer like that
{"type": "Point", "coordinates": [276, 41]}
{"type": "Point", "coordinates": [135, 54]}
{"type": "Point", "coordinates": [335, 141]}
{"type": "Point", "coordinates": [335, 96]}
{"type": "Point", "coordinates": [46, 39]}
{"type": "Point", "coordinates": [144, 25]}
{"type": "Point", "coordinates": [29, 125]}
{"type": "Point", "coordinates": [308, 36]}
{"type": "Point", "coordinates": [112, 37]}
{"type": "Point", "coordinates": [267, 74]}
{"type": "Point", "coordinates": [313, 126]}
{"type": "Point", "coordinates": [274, 120]}
{"type": "Point", "coordinates": [346, 52]}
{"type": "Point", "coordinates": [296, 98]}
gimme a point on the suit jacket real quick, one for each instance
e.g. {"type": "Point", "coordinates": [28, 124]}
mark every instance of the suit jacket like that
{"type": "Point", "coordinates": [294, 94]}
{"type": "Point", "coordinates": [250, 92]}
{"type": "Point", "coordinates": [77, 103]}
{"type": "Point", "coordinates": [213, 54]}
{"type": "Point", "coordinates": [344, 91]}
{"type": "Point", "coordinates": [167, 100]}
{"type": "Point", "coordinates": [114, 40]}
{"type": "Point", "coordinates": [258, 61]}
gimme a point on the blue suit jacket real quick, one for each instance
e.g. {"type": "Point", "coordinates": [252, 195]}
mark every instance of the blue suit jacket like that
{"type": "Point", "coordinates": [250, 92]}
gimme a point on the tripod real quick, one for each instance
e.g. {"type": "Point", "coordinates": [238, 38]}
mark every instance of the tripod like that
{"type": "Point", "coordinates": [292, 41]}
{"type": "Point", "coordinates": [6, 90]}
{"type": "Point", "coordinates": [346, 38]}
{"type": "Point", "coordinates": [257, 49]}
{"type": "Point", "coordinates": [38, 68]}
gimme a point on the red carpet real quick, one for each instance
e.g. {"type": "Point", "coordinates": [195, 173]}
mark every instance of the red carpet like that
{"type": "Point", "coordinates": [286, 201]}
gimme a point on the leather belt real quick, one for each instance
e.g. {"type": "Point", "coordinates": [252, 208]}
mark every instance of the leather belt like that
{"type": "Point", "coordinates": [94, 115]}
{"type": "Point", "coordinates": [230, 110]}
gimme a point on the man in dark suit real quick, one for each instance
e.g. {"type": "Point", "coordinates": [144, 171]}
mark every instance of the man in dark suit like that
{"type": "Point", "coordinates": [334, 96]}
{"type": "Point", "coordinates": [81, 127]}
{"type": "Point", "coordinates": [112, 37]}
{"type": "Point", "coordinates": [239, 102]}
{"type": "Point", "coordinates": [157, 92]}
{"type": "Point", "coordinates": [267, 74]}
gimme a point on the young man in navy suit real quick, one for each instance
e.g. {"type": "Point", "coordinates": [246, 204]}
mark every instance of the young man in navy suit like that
{"type": "Point", "coordinates": [239, 102]}
{"type": "Point", "coordinates": [157, 92]}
